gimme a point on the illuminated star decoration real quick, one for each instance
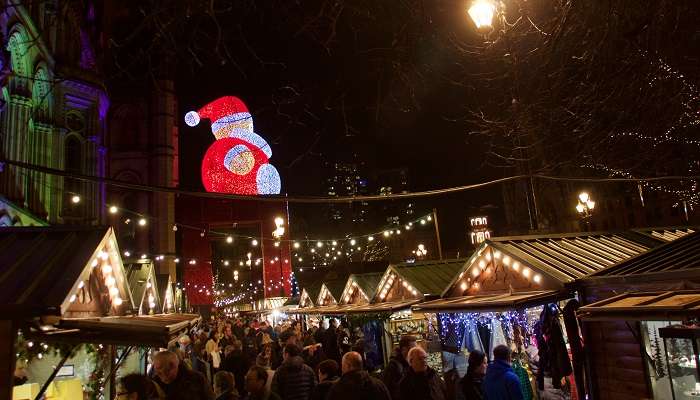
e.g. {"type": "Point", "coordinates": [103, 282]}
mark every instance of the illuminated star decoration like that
{"type": "Point", "coordinates": [238, 161]}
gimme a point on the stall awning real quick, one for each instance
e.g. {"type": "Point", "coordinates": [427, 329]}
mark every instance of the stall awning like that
{"type": "Point", "coordinates": [667, 234]}
{"type": "Point", "coordinates": [645, 306]}
{"type": "Point", "coordinates": [357, 308]}
{"type": "Point", "coordinates": [491, 303]}
{"type": "Point", "coordinates": [678, 256]}
{"type": "Point", "coordinates": [147, 330]}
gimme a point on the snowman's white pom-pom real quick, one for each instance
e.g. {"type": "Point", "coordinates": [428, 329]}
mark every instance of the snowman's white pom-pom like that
{"type": "Point", "coordinates": [192, 118]}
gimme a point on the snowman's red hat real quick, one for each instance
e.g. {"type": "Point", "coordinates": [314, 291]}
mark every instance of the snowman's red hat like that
{"type": "Point", "coordinates": [226, 114]}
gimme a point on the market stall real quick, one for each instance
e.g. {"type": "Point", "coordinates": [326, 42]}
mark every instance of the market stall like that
{"type": "Point", "coordinates": [626, 311]}
{"type": "Point", "coordinates": [407, 284]}
{"type": "Point", "coordinates": [331, 291]}
{"type": "Point", "coordinates": [61, 288]}
{"type": "Point", "coordinates": [360, 288]}
{"type": "Point", "coordinates": [166, 294]}
{"type": "Point", "coordinates": [143, 285]}
{"type": "Point", "coordinates": [513, 287]}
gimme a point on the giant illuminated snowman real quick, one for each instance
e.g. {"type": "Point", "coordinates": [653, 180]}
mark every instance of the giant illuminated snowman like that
{"type": "Point", "coordinates": [238, 161]}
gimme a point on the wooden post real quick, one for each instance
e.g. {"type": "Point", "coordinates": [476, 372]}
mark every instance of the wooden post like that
{"type": "Point", "coordinates": [437, 232]}
{"type": "Point", "coordinates": [8, 335]}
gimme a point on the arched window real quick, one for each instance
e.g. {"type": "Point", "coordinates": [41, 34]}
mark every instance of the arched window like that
{"type": "Point", "coordinates": [41, 96]}
{"type": "Point", "coordinates": [17, 44]}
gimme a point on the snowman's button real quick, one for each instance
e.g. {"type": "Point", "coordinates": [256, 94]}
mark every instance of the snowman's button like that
{"type": "Point", "coordinates": [239, 160]}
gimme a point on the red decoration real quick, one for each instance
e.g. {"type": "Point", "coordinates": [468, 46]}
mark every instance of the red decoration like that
{"type": "Point", "coordinates": [217, 178]}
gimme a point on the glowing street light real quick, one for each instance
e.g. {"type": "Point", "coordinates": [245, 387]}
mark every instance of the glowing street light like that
{"type": "Point", "coordinates": [585, 207]}
{"type": "Point", "coordinates": [482, 12]}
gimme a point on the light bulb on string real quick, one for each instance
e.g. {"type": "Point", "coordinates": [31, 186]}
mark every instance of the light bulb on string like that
{"type": "Point", "coordinates": [113, 209]}
{"type": "Point", "coordinates": [142, 221]}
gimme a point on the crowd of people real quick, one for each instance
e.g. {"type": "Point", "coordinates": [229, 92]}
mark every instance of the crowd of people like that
{"type": "Point", "coordinates": [237, 359]}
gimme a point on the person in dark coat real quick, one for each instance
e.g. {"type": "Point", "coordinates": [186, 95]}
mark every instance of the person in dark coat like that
{"type": "Point", "coordinates": [472, 381]}
{"type": "Point", "coordinates": [356, 384]}
{"type": "Point", "coordinates": [255, 385]}
{"type": "Point", "coordinates": [225, 386]}
{"type": "Point", "coordinates": [500, 382]}
{"type": "Point", "coordinates": [137, 387]}
{"type": "Point", "coordinates": [178, 382]}
{"type": "Point", "coordinates": [330, 342]}
{"type": "Point", "coordinates": [327, 376]}
{"type": "Point", "coordinates": [421, 382]}
{"type": "Point", "coordinates": [236, 362]}
{"type": "Point", "coordinates": [293, 380]}
{"type": "Point", "coordinates": [228, 338]}
{"type": "Point", "coordinates": [398, 366]}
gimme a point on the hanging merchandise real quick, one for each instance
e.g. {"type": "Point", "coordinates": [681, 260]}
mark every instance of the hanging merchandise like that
{"type": "Point", "coordinates": [575, 344]}
{"type": "Point", "coordinates": [554, 357]}
{"type": "Point", "coordinates": [472, 339]}
{"type": "Point", "coordinates": [498, 336]}
{"type": "Point", "coordinates": [524, 379]}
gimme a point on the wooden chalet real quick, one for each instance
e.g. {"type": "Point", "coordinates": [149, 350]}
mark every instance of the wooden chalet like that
{"type": "Point", "coordinates": [166, 293]}
{"type": "Point", "coordinates": [309, 295]}
{"type": "Point", "coordinates": [331, 291]}
{"type": "Point", "coordinates": [68, 285]}
{"type": "Point", "coordinates": [624, 308]}
{"type": "Point", "coordinates": [142, 281]}
{"type": "Point", "coordinates": [360, 288]}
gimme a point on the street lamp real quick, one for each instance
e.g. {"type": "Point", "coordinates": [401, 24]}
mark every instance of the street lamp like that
{"type": "Point", "coordinates": [585, 208]}
{"type": "Point", "coordinates": [277, 234]}
{"type": "Point", "coordinates": [482, 12]}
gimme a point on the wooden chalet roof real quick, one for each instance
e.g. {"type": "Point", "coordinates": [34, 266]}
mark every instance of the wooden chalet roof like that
{"type": "Point", "coordinates": [429, 277]}
{"type": "Point", "coordinates": [39, 266]}
{"type": "Point", "coordinates": [491, 302]}
{"type": "Point", "coordinates": [312, 291]}
{"type": "Point", "coordinates": [649, 306]}
{"type": "Point", "coordinates": [667, 234]}
{"type": "Point", "coordinates": [551, 261]}
{"type": "Point", "coordinates": [367, 283]}
{"type": "Point", "coordinates": [138, 274]}
{"type": "Point", "coordinates": [163, 285]}
{"type": "Point", "coordinates": [356, 308]}
{"type": "Point", "coordinates": [567, 257]}
{"type": "Point", "coordinates": [679, 255]}
{"type": "Point", "coordinates": [158, 330]}
{"type": "Point", "coordinates": [335, 288]}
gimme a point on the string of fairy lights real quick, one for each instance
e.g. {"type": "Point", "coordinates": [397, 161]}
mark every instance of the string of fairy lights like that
{"type": "Point", "coordinates": [313, 253]}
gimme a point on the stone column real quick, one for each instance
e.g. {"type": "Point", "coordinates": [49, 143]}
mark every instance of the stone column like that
{"type": "Point", "coordinates": [15, 124]}
{"type": "Point", "coordinates": [163, 172]}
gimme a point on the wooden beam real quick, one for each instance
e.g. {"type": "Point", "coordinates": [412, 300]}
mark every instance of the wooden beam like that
{"type": "Point", "coordinates": [8, 335]}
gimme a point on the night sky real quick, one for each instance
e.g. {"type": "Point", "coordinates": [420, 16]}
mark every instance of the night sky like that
{"type": "Point", "coordinates": [379, 93]}
{"type": "Point", "coordinates": [403, 84]}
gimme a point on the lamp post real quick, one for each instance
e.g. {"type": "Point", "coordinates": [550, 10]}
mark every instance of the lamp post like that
{"type": "Point", "coordinates": [278, 233]}
{"type": "Point", "coordinates": [489, 16]}
{"type": "Point", "coordinates": [482, 12]}
{"type": "Point", "coordinates": [585, 208]}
